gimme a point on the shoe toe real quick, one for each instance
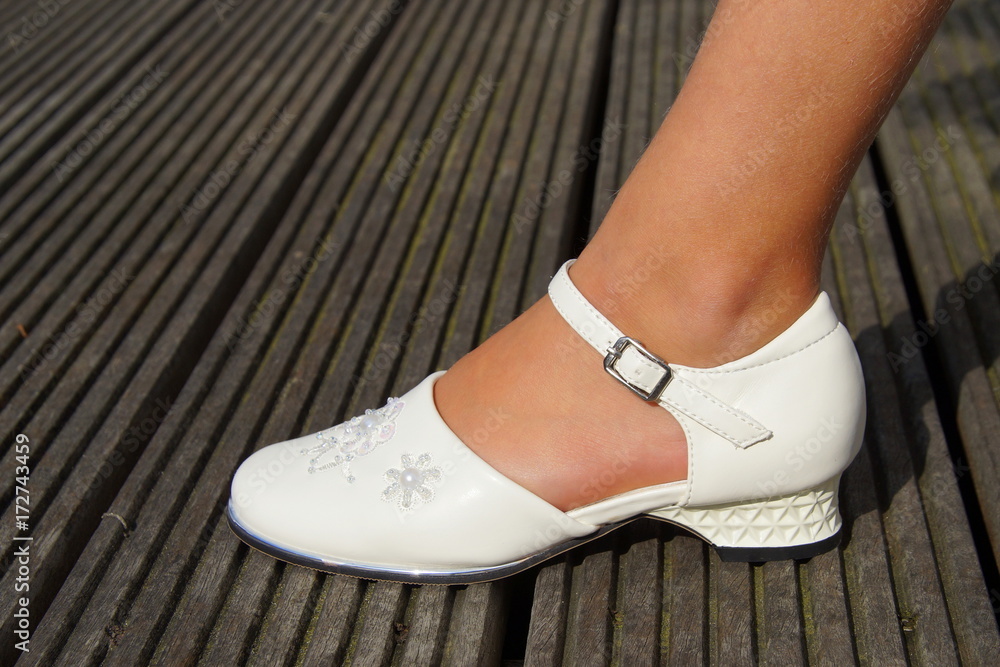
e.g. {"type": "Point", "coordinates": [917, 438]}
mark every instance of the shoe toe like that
{"type": "Point", "coordinates": [411, 498]}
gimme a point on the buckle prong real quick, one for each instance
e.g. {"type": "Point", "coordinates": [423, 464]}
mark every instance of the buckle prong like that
{"type": "Point", "coordinates": [615, 353]}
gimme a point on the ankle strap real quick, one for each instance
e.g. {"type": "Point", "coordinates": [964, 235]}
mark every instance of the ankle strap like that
{"type": "Point", "coordinates": [645, 374]}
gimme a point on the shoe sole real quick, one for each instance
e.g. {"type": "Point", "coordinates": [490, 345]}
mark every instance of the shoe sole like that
{"type": "Point", "coordinates": [481, 575]}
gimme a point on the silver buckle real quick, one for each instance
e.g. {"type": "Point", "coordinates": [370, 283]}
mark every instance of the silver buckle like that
{"type": "Point", "coordinates": [615, 353]}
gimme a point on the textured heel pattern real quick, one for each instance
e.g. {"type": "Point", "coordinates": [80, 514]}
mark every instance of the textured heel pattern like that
{"type": "Point", "coordinates": [799, 525]}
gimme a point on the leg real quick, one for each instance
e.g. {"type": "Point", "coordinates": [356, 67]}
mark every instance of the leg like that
{"type": "Point", "coordinates": [727, 215]}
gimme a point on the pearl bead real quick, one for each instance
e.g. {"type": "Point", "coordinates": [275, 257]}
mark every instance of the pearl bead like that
{"type": "Point", "coordinates": [410, 478]}
{"type": "Point", "coordinates": [370, 421]}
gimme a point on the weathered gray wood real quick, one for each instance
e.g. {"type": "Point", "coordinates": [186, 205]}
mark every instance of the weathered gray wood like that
{"type": "Point", "coordinates": [610, 173]}
{"type": "Point", "coordinates": [574, 156]}
{"type": "Point", "coordinates": [137, 360]}
{"type": "Point", "coordinates": [32, 208]}
{"type": "Point", "coordinates": [972, 620]}
{"type": "Point", "coordinates": [867, 571]}
{"type": "Point", "coordinates": [19, 56]}
{"type": "Point", "coordinates": [464, 636]}
{"type": "Point", "coordinates": [685, 600]}
{"type": "Point", "coordinates": [424, 629]}
{"type": "Point", "coordinates": [475, 636]}
{"type": "Point", "coordinates": [638, 613]}
{"type": "Point", "coordinates": [779, 619]}
{"type": "Point", "coordinates": [58, 100]}
{"type": "Point", "coordinates": [115, 250]}
{"type": "Point", "coordinates": [918, 591]}
{"type": "Point", "coordinates": [334, 86]}
{"type": "Point", "coordinates": [478, 206]}
{"type": "Point", "coordinates": [826, 619]}
{"type": "Point", "coordinates": [931, 247]}
{"type": "Point", "coordinates": [731, 636]}
{"type": "Point", "coordinates": [549, 609]}
{"type": "Point", "coordinates": [407, 279]}
{"type": "Point", "coordinates": [473, 28]}
{"type": "Point", "coordinates": [328, 637]}
{"type": "Point", "coordinates": [376, 628]}
{"type": "Point", "coordinates": [591, 616]}
{"type": "Point", "coordinates": [37, 55]}
{"type": "Point", "coordinates": [282, 422]}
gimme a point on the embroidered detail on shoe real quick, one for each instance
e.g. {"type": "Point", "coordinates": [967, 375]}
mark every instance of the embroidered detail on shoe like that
{"type": "Point", "coordinates": [355, 437]}
{"type": "Point", "coordinates": [412, 483]}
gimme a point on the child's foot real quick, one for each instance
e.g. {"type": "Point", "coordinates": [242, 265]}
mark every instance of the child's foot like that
{"type": "Point", "coordinates": [535, 402]}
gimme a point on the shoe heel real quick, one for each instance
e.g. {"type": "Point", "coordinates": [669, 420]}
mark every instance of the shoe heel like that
{"type": "Point", "coordinates": [799, 525]}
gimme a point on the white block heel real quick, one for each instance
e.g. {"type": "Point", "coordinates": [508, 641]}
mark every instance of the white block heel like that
{"type": "Point", "coordinates": [798, 525]}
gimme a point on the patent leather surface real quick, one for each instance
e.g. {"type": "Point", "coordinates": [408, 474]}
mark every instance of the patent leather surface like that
{"type": "Point", "coordinates": [395, 493]}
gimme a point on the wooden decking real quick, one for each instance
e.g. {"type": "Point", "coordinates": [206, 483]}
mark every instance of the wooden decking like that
{"type": "Point", "coordinates": [223, 224]}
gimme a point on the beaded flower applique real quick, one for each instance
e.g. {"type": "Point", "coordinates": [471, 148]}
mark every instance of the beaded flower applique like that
{"type": "Point", "coordinates": [355, 437]}
{"type": "Point", "coordinates": [412, 483]}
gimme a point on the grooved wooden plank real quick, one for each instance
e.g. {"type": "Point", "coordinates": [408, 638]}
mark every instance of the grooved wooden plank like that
{"type": "Point", "coordinates": [591, 615]}
{"type": "Point", "coordinates": [937, 231]}
{"type": "Point", "coordinates": [638, 128]}
{"type": "Point", "coordinates": [140, 361]}
{"type": "Point", "coordinates": [422, 122]}
{"type": "Point", "coordinates": [668, 45]}
{"type": "Point", "coordinates": [610, 171]}
{"type": "Point", "coordinates": [65, 180]}
{"type": "Point", "coordinates": [867, 572]}
{"type": "Point", "coordinates": [229, 643]}
{"type": "Point", "coordinates": [127, 511]}
{"type": "Point", "coordinates": [210, 492]}
{"type": "Point", "coordinates": [640, 593]}
{"type": "Point", "coordinates": [974, 93]}
{"type": "Point", "coordinates": [424, 629]}
{"type": "Point", "coordinates": [475, 635]}
{"type": "Point", "coordinates": [59, 107]}
{"type": "Point", "coordinates": [27, 57]}
{"type": "Point", "coordinates": [492, 158]}
{"type": "Point", "coordinates": [462, 621]}
{"type": "Point", "coordinates": [287, 616]}
{"type": "Point", "coordinates": [919, 595]}
{"type": "Point", "coordinates": [109, 252]}
{"type": "Point", "coordinates": [685, 601]}
{"type": "Point", "coordinates": [549, 609]}
{"type": "Point", "coordinates": [579, 140]}
{"type": "Point", "coordinates": [503, 287]}
{"type": "Point", "coordinates": [102, 345]}
{"type": "Point", "coordinates": [224, 341]}
{"type": "Point", "coordinates": [245, 208]}
{"type": "Point", "coordinates": [826, 617]}
{"type": "Point", "coordinates": [972, 620]}
{"type": "Point", "coordinates": [337, 609]}
{"type": "Point", "coordinates": [375, 631]}
{"type": "Point", "coordinates": [502, 201]}
{"type": "Point", "coordinates": [780, 629]}
{"type": "Point", "coordinates": [731, 636]}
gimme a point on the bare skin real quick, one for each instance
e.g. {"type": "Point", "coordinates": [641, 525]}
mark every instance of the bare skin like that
{"type": "Point", "coordinates": [711, 249]}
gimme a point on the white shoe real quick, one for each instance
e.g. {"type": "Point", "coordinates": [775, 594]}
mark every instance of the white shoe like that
{"type": "Point", "coordinates": [395, 495]}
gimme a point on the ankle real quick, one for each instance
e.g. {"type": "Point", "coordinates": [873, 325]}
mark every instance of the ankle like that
{"type": "Point", "coordinates": [695, 316]}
